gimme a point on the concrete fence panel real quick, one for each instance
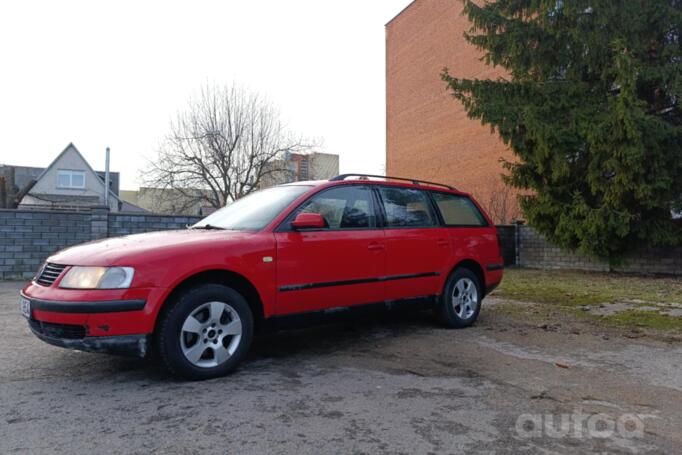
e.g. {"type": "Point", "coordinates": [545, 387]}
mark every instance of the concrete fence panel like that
{"type": "Point", "coordinates": [27, 237]}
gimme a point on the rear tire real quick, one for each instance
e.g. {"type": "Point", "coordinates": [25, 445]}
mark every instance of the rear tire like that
{"type": "Point", "coordinates": [461, 300]}
{"type": "Point", "coordinates": [206, 333]}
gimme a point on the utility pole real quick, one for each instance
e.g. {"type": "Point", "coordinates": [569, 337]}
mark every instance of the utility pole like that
{"type": "Point", "coordinates": [106, 179]}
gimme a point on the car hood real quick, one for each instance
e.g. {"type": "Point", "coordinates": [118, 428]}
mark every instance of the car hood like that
{"type": "Point", "coordinates": [131, 249]}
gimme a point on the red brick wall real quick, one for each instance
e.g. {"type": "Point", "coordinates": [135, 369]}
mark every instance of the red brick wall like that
{"type": "Point", "coordinates": [428, 134]}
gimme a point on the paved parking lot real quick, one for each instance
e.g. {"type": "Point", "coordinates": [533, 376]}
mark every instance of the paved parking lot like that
{"type": "Point", "coordinates": [394, 385]}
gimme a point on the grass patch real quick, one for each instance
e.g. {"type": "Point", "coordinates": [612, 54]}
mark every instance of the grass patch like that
{"type": "Point", "coordinates": [585, 288]}
{"type": "Point", "coordinates": [570, 291]}
{"type": "Point", "coordinates": [646, 319]}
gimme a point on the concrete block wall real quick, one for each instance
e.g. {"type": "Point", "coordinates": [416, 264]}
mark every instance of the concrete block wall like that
{"type": "Point", "coordinates": [536, 252]}
{"type": "Point", "coordinates": [129, 223]}
{"type": "Point", "coordinates": [99, 224]}
{"type": "Point", "coordinates": [659, 260]}
{"type": "Point", "coordinates": [27, 237]}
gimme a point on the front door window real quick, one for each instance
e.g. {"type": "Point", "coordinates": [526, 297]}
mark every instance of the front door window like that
{"type": "Point", "coordinates": [347, 207]}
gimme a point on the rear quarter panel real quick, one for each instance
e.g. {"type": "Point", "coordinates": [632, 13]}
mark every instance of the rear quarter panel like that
{"type": "Point", "coordinates": [478, 244]}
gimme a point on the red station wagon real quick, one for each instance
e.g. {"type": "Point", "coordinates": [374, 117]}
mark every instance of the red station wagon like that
{"type": "Point", "coordinates": [196, 295]}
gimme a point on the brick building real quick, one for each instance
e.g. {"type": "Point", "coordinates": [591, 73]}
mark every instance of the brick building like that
{"type": "Point", "coordinates": [428, 134]}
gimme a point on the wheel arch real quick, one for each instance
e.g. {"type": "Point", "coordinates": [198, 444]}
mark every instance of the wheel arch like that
{"type": "Point", "coordinates": [229, 278]}
{"type": "Point", "coordinates": [473, 266]}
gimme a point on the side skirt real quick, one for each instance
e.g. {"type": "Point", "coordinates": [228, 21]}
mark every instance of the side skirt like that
{"type": "Point", "coordinates": [332, 315]}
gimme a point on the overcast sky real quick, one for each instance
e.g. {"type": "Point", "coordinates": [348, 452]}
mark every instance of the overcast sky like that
{"type": "Point", "coordinates": [113, 74]}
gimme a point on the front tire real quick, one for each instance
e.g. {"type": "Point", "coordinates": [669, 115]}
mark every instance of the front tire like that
{"type": "Point", "coordinates": [206, 333]}
{"type": "Point", "coordinates": [461, 300]}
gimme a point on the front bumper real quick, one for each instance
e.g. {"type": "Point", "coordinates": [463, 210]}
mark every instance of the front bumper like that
{"type": "Point", "coordinates": [68, 336]}
{"type": "Point", "coordinates": [122, 326]}
{"type": "Point", "coordinates": [104, 313]}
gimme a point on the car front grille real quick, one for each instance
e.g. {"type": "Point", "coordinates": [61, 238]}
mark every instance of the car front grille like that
{"type": "Point", "coordinates": [65, 331]}
{"type": "Point", "coordinates": [49, 273]}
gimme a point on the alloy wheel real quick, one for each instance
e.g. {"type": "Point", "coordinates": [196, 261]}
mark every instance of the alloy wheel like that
{"type": "Point", "coordinates": [210, 334]}
{"type": "Point", "coordinates": [465, 298]}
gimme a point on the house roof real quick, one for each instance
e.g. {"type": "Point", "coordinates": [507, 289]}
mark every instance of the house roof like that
{"type": "Point", "coordinates": [114, 178]}
{"type": "Point", "coordinates": [54, 198]}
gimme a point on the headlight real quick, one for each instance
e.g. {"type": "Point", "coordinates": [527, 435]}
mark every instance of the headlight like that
{"type": "Point", "coordinates": [98, 278]}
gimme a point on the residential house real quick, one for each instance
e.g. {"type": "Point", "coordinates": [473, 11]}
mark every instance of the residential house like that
{"type": "Point", "coordinates": [69, 182]}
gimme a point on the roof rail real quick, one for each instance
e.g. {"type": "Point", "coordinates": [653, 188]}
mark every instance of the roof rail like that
{"type": "Point", "coordinates": [386, 177]}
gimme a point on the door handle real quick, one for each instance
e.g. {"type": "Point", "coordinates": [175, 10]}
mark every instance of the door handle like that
{"type": "Point", "coordinates": [443, 242]}
{"type": "Point", "coordinates": [374, 246]}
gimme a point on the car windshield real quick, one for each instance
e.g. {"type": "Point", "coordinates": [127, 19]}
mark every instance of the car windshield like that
{"type": "Point", "coordinates": [253, 212]}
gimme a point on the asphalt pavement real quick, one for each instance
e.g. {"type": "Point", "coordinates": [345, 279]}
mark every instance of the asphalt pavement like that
{"type": "Point", "coordinates": [389, 384]}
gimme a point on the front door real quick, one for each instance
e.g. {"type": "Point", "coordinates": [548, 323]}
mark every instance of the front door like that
{"type": "Point", "coordinates": [336, 266]}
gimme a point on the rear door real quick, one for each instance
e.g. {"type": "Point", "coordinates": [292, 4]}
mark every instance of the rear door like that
{"type": "Point", "coordinates": [337, 266]}
{"type": "Point", "coordinates": [418, 250]}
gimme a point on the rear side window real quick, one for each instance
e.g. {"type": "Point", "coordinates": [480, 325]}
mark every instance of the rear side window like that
{"type": "Point", "coordinates": [405, 207]}
{"type": "Point", "coordinates": [458, 210]}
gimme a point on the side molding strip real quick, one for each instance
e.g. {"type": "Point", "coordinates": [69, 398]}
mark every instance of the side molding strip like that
{"type": "Point", "coordinates": [300, 287]}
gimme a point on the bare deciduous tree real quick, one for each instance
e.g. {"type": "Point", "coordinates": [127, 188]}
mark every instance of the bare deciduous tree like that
{"type": "Point", "coordinates": [499, 201]}
{"type": "Point", "coordinates": [222, 146]}
{"type": "Point", "coordinates": [502, 205]}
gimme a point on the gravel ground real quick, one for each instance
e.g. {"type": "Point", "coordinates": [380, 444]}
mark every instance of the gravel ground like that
{"type": "Point", "coordinates": [397, 384]}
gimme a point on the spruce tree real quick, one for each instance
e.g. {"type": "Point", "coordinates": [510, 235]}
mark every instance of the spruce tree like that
{"type": "Point", "coordinates": [591, 108]}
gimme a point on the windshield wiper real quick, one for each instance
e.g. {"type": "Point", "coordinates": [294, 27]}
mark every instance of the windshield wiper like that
{"type": "Point", "coordinates": [208, 227]}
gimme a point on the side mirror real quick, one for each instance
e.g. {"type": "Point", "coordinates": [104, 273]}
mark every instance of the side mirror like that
{"type": "Point", "coordinates": [308, 221]}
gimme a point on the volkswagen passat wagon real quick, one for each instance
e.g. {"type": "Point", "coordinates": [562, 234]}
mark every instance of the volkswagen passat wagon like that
{"type": "Point", "coordinates": [197, 295]}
